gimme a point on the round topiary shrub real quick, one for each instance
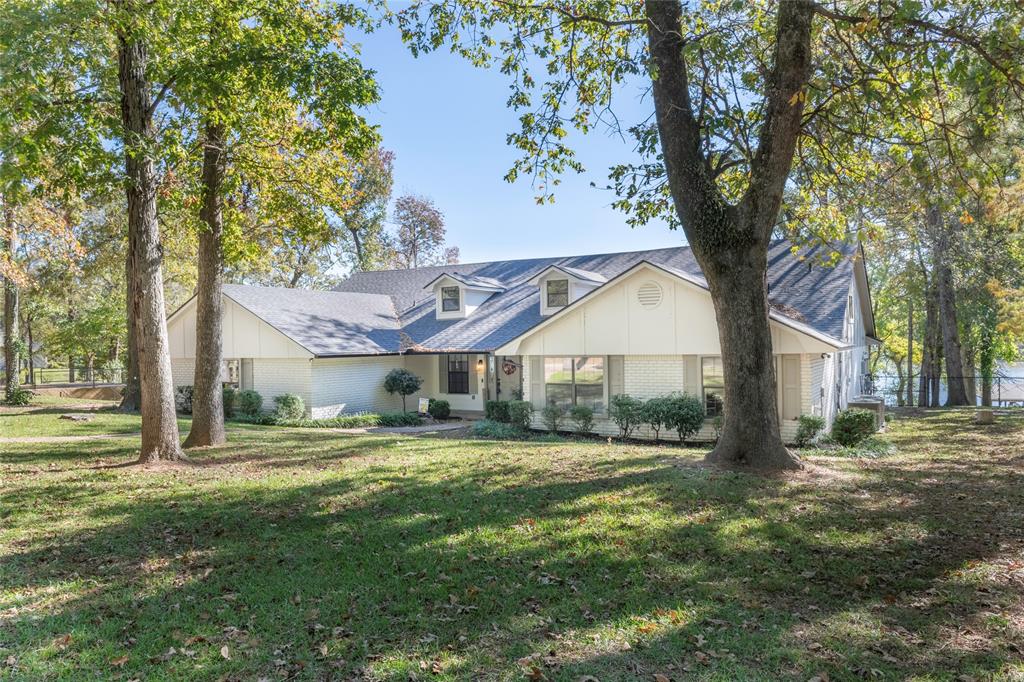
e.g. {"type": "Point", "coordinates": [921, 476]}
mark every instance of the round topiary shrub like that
{"type": "Point", "coordinates": [439, 409]}
{"type": "Point", "coordinates": [685, 415]}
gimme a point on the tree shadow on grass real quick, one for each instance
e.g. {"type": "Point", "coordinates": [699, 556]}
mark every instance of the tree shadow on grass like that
{"type": "Point", "coordinates": [391, 557]}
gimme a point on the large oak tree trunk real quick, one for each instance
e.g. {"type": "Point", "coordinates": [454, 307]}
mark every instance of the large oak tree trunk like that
{"type": "Point", "coordinates": [750, 433]}
{"type": "Point", "coordinates": [12, 358]}
{"type": "Point", "coordinates": [207, 393]}
{"type": "Point", "coordinates": [159, 422]}
{"type": "Point", "coordinates": [730, 241]}
{"type": "Point", "coordinates": [956, 392]}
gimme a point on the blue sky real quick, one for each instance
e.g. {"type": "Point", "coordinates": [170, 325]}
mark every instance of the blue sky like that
{"type": "Point", "coordinates": [446, 121]}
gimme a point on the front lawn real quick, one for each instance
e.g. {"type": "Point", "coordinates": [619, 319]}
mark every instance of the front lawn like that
{"type": "Point", "coordinates": [309, 555]}
{"type": "Point", "coordinates": [45, 421]}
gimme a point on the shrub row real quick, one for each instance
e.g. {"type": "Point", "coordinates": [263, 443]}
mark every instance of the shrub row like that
{"type": "Point", "coordinates": [516, 413]}
{"type": "Point", "coordinates": [679, 412]}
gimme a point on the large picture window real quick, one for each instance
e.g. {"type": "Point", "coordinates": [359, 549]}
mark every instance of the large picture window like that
{"type": "Point", "coordinates": [458, 374]}
{"type": "Point", "coordinates": [575, 381]}
{"type": "Point", "coordinates": [558, 293]}
{"type": "Point", "coordinates": [713, 381]}
{"type": "Point", "coordinates": [450, 299]}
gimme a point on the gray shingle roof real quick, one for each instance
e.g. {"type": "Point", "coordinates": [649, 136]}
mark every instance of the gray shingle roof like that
{"type": "Point", "coordinates": [325, 322]}
{"type": "Point", "coordinates": [360, 316]}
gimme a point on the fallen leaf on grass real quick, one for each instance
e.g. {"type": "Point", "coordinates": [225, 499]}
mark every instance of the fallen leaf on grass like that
{"type": "Point", "coordinates": [225, 652]}
{"type": "Point", "coordinates": [119, 661]}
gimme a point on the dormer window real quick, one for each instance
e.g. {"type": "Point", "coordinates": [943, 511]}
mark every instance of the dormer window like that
{"type": "Point", "coordinates": [560, 286]}
{"type": "Point", "coordinates": [450, 299]}
{"type": "Point", "coordinates": [457, 296]}
{"type": "Point", "coordinates": [558, 293]}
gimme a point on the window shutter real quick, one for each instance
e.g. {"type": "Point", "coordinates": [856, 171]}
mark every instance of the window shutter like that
{"type": "Point", "coordinates": [616, 375]}
{"type": "Point", "coordinates": [442, 373]}
{"type": "Point", "coordinates": [691, 375]}
{"type": "Point", "coordinates": [790, 387]}
{"type": "Point", "coordinates": [537, 381]}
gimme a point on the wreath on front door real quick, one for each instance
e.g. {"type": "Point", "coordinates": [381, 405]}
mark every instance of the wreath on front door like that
{"type": "Point", "coordinates": [508, 367]}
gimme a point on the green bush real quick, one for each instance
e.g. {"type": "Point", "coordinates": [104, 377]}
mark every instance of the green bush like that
{"type": "Point", "coordinates": [655, 413]}
{"type": "Point", "coordinates": [403, 382]}
{"type": "Point", "coordinates": [183, 399]}
{"type": "Point", "coordinates": [289, 406]}
{"type": "Point", "coordinates": [19, 397]}
{"type": "Point", "coordinates": [810, 426]}
{"type": "Point", "coordinates": [488, 428]}
{"type": "Point", "coordinates": [439, 409]}
{"type": "Point", "coordinates": [250, 403]}
{"type": "Point", "coordinates": [228, 397]}
{"type": "Point", "coordinates": [520, 412]}
{"type": "Point", "coordinates": [853, 426]}
{"type": "Point", "coordinates": [400, 419]}
{"type": "Point", "coordinates": [582, 417]}
{"type": "Point", "coordinates": [685, 415]}
{"type": "Point", "coordinates": [717, 424]}
{"type": "Point", "coordinates": [626, 412]}
{"type": "Point", "coordinates": [552, 416]}
{"type": "Point", "coordinates": [341, 421]}
{"type": "Point", "coordinates": [496, 410]}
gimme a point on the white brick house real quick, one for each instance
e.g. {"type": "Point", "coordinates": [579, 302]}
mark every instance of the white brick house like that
{"type": "Point", "coordinates": [566, 330]}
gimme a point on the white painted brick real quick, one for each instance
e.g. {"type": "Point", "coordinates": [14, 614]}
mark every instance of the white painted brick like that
{"type": "Point", "coordinates": [354, 385]}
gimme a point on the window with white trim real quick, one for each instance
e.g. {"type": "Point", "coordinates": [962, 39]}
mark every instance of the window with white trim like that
{"type": "Point", "coordinates": [450, 299]}
{"type": "Point", "coordinates": [712, 377]}
{"type": "Point", "coordinates": [557, 293]}
{"type": "Point", "coordinates": [575, 381]}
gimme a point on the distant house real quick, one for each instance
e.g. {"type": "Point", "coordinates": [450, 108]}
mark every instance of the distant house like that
{"type": "Point", "coordinates": [565, 330]}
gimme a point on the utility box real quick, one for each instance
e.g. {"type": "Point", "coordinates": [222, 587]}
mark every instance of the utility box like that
{"type": "Point", "coordinates": [871, 403]}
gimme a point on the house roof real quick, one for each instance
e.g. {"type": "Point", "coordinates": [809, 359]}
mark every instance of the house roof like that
{"type": "Point", "coordinates": [471, 281]}
{"type": "Point", "coordinates": [390, 311]}
{"type": "Point", "coordinates": [580, 274]}
{"type": "Point", "coordinates": [326, 323]}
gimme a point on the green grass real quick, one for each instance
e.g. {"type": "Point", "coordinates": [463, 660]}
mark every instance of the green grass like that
{"type": "Point", "coordinates": [45, 421]}
{"type": "Point", "coordinates": [311, 555]}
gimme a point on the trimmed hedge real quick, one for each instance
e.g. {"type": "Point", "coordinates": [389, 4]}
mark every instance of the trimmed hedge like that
{"type": "Point", "coordinates": [250, 403]}
{"type": "Point", "coordinates": [853, 426]}
{"type": "Point", "coordinates": [497, 410]}
{"type": "Point", "coordinates": [289, 406]}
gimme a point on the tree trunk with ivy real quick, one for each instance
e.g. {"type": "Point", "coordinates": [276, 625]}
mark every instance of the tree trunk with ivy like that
{"type": "Point", "coordinates": [730, 241]}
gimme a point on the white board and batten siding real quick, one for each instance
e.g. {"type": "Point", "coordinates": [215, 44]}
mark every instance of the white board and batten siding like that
{"type": "Point", "coordinates": [278, 364]}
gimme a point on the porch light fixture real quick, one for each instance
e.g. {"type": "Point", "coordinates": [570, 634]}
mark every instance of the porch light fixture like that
{"type": "Point", "coordinates": [480, 363]}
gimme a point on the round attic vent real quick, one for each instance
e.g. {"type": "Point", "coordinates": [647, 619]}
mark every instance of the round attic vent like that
{"type": "Point", "coordinates": [649, 294]}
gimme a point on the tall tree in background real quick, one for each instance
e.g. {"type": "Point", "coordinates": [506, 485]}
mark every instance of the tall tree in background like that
{"type": "Point", "coordinates": [364, 220]}
{"type": "Point", "coordinates": [419, 235]}
{"type": "Point", "coordinates": [738, 89]}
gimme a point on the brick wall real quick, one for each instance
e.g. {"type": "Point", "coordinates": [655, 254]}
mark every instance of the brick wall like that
{"type": "Point", "coordinates": [650, 376]}
{"type": "Point", "coordinates": [277, 376]}
{"type": "Point", "coordinates": [354, 385]}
